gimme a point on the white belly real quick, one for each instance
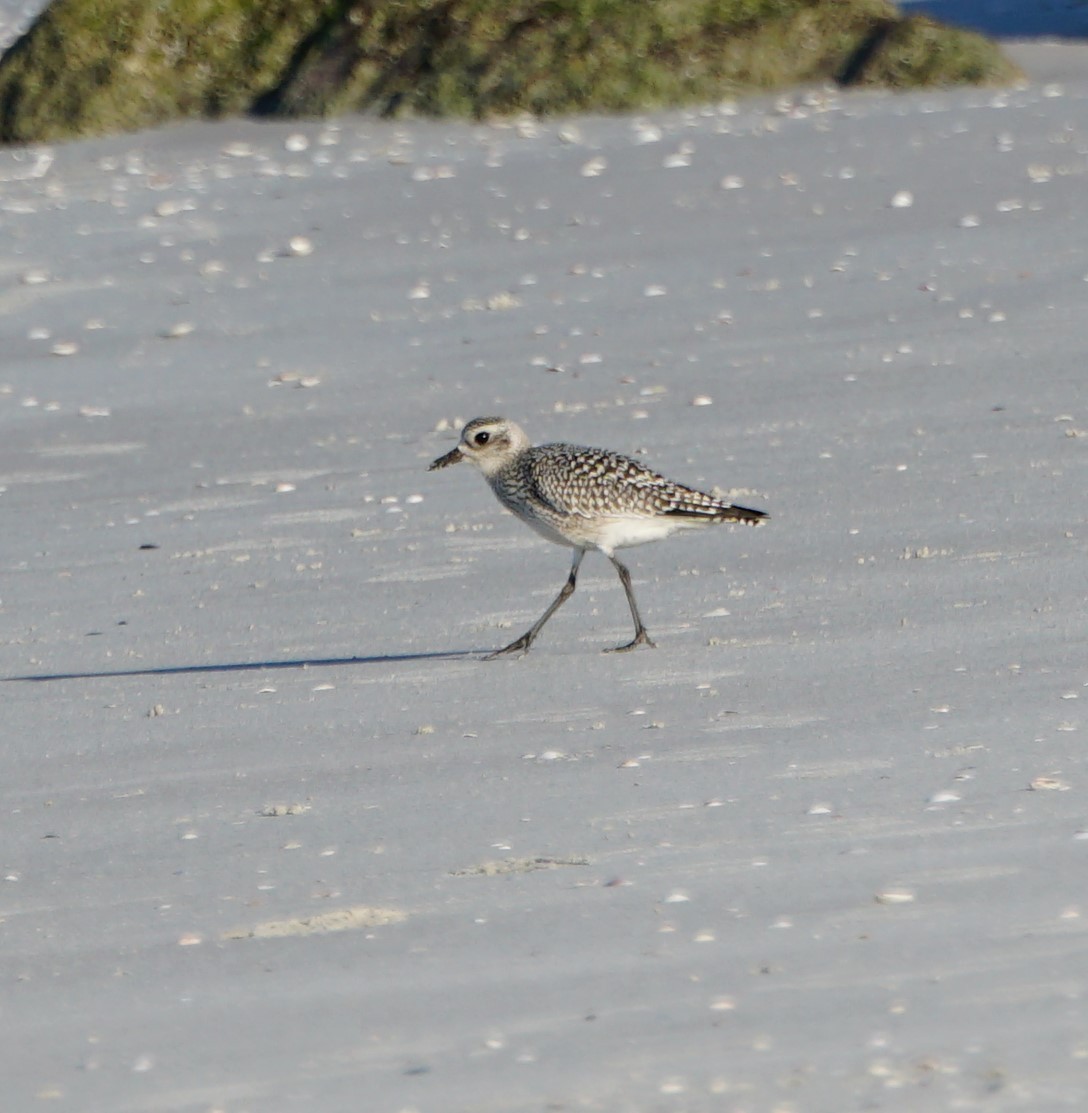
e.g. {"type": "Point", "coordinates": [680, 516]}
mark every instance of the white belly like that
{"type": "Point", "coordinates": [622, 533]}
{"type": "Point", "coordinates": [608, 534]}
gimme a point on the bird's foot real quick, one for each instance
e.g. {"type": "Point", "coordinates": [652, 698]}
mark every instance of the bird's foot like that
{"type": "Point", "coordinates": [520, 647]}
{"type": "Point", "coordinates": [640, 638]}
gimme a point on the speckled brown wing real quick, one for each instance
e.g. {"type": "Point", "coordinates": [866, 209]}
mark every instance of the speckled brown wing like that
{"type": "Point", "coordinates": [591, 482]}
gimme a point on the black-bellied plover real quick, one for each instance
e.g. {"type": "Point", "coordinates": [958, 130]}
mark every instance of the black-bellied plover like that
{"type": "Point", "coordinates": [585, 498]}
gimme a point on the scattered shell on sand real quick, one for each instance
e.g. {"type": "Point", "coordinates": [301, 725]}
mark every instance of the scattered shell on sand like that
{"type": "Point", "coordinates": [300, 246]}
{"type": "Point", "coordinates": [1048, 784]}
{"type": "Point", "coordinates": [895, 896]}
{"type": "Point", "coordinates": [274, 811]}
{"type": "Point", "coordinates": [594, 168]}
{"type": "Point", "coordinates": [679, 158]}
{"type": "Point", "coordinates": [238, 149]}
{"type": "Point", "coordinates": [174, 206]}
{"type": "Point", "coordinates": [501, 301]}
{"type": "Point", "coordinates": [433, 173]}
{"type": "Point", "coordinates": [65, 348]}
{"type": "Point", "coordinates": [294, 378]}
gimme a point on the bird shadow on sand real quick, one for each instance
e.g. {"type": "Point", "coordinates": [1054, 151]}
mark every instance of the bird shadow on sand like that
{"type": "Point", "coordinates": [258, 666]}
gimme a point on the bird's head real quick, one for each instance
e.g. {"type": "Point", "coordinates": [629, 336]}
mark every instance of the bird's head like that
{"type": "Point", "coordinates": [490, 443]}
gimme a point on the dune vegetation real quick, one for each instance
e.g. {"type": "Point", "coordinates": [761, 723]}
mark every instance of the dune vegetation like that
{"type": "Point", "coordinates": [91, 67]}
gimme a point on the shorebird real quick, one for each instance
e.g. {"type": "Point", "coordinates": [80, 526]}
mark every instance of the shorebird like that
{"type": "Point", "coordinates": [584, 498]}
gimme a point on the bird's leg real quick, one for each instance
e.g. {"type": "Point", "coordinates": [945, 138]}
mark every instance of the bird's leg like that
{"type": "Point", "coordinates": [641, 637]}
{"type": "Point", "coordinates": [522, 644]}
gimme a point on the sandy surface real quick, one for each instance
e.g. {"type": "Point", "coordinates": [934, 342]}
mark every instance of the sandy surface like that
{"type": "Point", "coordinates": [276, 838]}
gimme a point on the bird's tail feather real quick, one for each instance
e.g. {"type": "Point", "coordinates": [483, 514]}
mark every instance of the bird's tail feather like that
{"type": "Point", "coordinates": [720, 513]}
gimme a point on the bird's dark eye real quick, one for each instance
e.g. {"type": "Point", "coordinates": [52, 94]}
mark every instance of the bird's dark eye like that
{"type": "Point", "coordinates": [482, 438]}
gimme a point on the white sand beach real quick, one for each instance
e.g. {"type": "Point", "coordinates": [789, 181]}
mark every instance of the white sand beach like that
{"type": "Point", "coordinates": [276, 838]}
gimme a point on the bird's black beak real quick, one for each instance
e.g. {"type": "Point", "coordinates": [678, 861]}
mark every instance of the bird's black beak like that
{"type": "Point", "coordinates": [451, 457]}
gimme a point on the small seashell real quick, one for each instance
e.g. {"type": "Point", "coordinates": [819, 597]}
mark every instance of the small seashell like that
{"type": "Point", "coordinates": [173, 207]}
{"type": "Point", "coordinates": [1048, 784]}
{"type": "Point", "coordinates": [895, 896]}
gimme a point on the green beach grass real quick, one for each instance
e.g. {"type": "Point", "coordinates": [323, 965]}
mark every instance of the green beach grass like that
{"type": "Point", "coordinates": [91, 67]}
